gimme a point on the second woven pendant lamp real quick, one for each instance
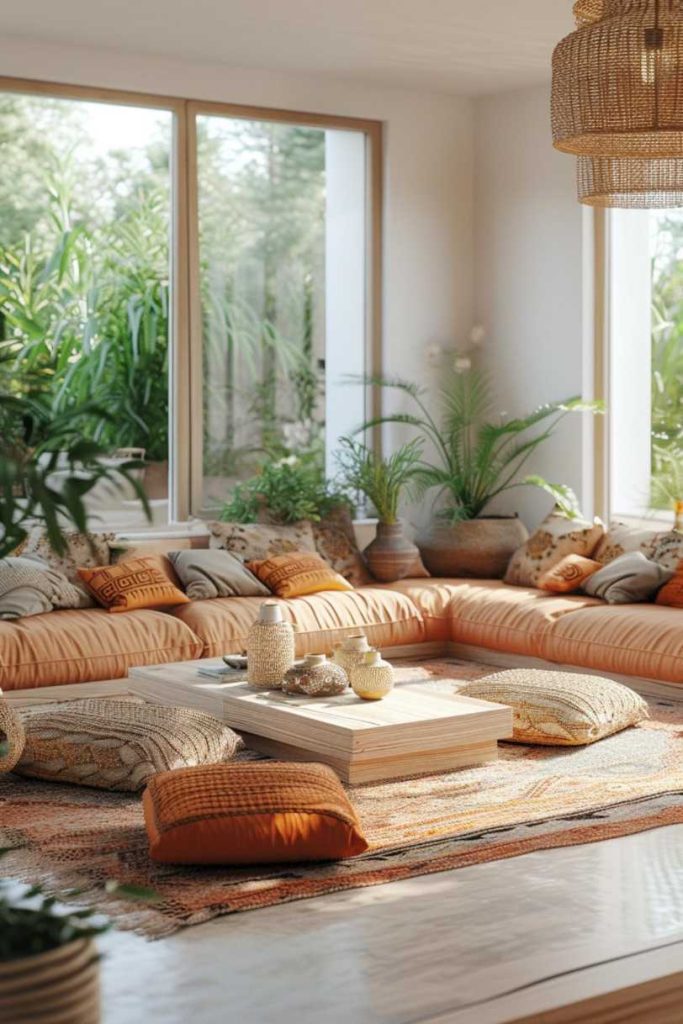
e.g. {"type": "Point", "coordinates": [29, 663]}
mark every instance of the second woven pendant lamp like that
{"type": "Point", "coordinates": [618, 81]}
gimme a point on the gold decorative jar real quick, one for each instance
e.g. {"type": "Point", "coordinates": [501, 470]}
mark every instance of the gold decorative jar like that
{"type": "Point", "coordinates": [351, 652]}
{"type": "Point", "coordinates": [315, 676]}
{"type": "Point", "coordinates": [373, 679]}
{"type": "Point", "coordinates": [270, 648]}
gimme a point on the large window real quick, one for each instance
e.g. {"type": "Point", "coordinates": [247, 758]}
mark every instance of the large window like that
{"type": "Point", "coordinates": [206, 277]}
{"type": "Point", "coordinates": [645, 374]}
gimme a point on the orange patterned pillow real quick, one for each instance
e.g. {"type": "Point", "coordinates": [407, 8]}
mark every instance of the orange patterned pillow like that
{"type": "Point", "coordinates": [569, 574]}
{"type": "Point", "coordinates": [258, 813]}
{"type": "Point", "coordinates": [297, 574]}
{"type": "Point", "coordinates": [135, 583]}
{"type": "Point", "coordinates": [671, 594]}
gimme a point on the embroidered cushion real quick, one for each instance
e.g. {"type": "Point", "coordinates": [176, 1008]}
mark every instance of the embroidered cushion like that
{"type": "Point", "coordinates": [82, 550]}
{"type": "Point", "coordinates": [621, 539]}
{"type": "Point", "coordinates": [335, 541]}
{"type": "Point", "coordinates": [257, 813]}
{"type": "Point", "coordinates": [556, 537]}
{"type": "Point", "coordinates": [297, 574]}
{"type": "Point", "coordinates": [214, 573]}
{"type": "Point", "coordinates": [136, 583]}
{"type": "Point", "coordinates": [628, 579]}
{"type": "Point", "coordinates": [560, 708]}
{"type": "Point", "coordinates": [115, 744]}
{"type": "Point", "coordinates": [569, 575]}
{"type": "Point", "coordinates": [667, 549]}
{"type": "Point", "coordinates": [256, 541]}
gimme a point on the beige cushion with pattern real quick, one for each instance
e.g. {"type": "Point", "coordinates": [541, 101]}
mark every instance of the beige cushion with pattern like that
{"type": "Point", "coordinates": [556, 537]}
{"type": "Point", "coordinates": [560, 708]}
{"type": "Point", "coordinates": [256, 541]}
{"type": "Point", "coordinates": [117, 744]}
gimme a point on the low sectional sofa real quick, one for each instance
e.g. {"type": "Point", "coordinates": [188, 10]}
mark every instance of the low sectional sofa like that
{"type": "Point", "coordinates": [465, 616]}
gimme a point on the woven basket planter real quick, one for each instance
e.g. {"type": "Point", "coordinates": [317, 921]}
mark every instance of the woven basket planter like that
{"type": "Point", "coordinates": [61, 986]}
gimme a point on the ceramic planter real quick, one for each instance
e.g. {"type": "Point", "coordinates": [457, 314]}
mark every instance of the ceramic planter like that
{"type": "Point", "coordinates": [391, 556]}
{"type": "Point", "coordinates": [477, 548]}
{"type": "Point", "coordinates": [60, 985]}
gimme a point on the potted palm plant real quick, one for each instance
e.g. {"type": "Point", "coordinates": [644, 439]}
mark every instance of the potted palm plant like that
{"type": "Point", "coordinates": [475, 460]}
{"type": "Point", "coordinates": [390, 556]}
{"type": "Point", "coordinates": [49, 964]}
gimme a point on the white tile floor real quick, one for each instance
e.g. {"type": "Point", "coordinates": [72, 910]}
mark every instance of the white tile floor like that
{"type": "Point", "coordinates": [431, 947]}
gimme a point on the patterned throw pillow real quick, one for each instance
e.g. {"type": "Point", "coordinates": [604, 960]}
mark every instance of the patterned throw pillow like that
{"type": "Point", "coordinates": [556, 537]}
{"type": "Point", "coordinates": [335, 541]}
{"type": "Point", "coordinates": [568, 575]}
{"type": "Point", "coordinates": [29, 586]}
{"type": "Point", "coordinates": [560, 708]}
{"type": "Point", "coordinates": [256, 541]}
{"type": "Point", "coordinates": [259, 813]}
{"type": "Point", "coordinates": [629, 579]}
{"type": "Point", "coordinates": [297, 574]}
{"type": "Point", "coordinates": [82, 550]}
{"type": "Point", "coordinates": [135, 583]}
{"type": "Point", "coordinates": [667, 549]}
{"type": "Point", "coordinates": [115, 744]}
{"type": "Point", "coordinates": [621, 539]}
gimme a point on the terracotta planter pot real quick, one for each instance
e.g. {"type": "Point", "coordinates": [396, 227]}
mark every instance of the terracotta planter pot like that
{"type": "Point", "coordinates": [61, 986]}
{"type": "Point", "coordinates": [390, 556]}
{"type": "Point", "coordinates": [477, 548]}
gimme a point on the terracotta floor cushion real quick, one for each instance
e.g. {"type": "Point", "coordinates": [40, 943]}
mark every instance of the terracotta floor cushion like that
{"type": "Point", "coordinates": [79, 646]}
{"type": "Point", "coordinates": [488, 613]}
{"type": "Point", "coordinates": [386, 617]}
{"type": "Point", "coordinates": [635, 640]}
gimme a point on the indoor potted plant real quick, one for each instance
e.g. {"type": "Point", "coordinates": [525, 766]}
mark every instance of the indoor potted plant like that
{"type": "Point", "coordinates": [474, 461]}
{"type": "Point", "coordinates": [284, 491]}
{"type": "Point", "coordinates": [391, 555]}
{"type": "Point", "coordinates": [49, 964]}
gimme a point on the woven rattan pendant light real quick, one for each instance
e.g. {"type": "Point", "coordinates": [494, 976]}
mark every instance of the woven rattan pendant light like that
{"type": "Point", "coordinates": [630, 184]}
{"type": "Point", "coordinates": [618, 81]}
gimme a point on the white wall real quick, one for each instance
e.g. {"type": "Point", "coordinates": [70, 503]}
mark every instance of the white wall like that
{"type": "Point", "coordinates": [529, 288]}
{"type": "Point", "coordinates": [428, 284]}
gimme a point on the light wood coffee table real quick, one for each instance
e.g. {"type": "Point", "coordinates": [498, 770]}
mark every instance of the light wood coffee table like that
{"type": "Point", "coordinates": [413, 731]}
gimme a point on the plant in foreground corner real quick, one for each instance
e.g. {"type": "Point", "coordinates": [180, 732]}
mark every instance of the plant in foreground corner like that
{"type": "Point", "coordinates": [477, 459]}
{"type": "Point", "coordinates": [381, 480]}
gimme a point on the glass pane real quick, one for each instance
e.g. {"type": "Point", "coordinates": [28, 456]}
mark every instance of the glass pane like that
{"type": "Point", "coordinates": [282, 256]}
{"type": "Point", "coordinates": [84, 272]}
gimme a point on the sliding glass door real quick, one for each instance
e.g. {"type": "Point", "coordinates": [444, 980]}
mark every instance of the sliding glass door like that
{"type": "Point", "coordinates": [204, 277]}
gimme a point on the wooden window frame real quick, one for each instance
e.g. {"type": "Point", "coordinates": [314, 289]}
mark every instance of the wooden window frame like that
{"type": "Point", "coordinates": [186, 341]}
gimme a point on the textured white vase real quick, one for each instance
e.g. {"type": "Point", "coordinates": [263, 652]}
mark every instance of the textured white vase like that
{"type": "Point", "coordinates": [373, 679]}
{"type": "Point", "coordinates": [351, 652]}
{"type": "Point", "coordinates": [270, 648]}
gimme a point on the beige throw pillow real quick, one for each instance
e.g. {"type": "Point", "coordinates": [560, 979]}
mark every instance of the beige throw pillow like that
{"type": "Point", "coordinates": [258, 541]}
{"type": "Point", "coordinates": [621, 538]}
{"type": "Point", "coordinates": [29, 586]}
{"type": "Point", "coordinates": [214, 573]}
{"type": "Point", "coordinates": [114, 744]}
{"type": "Point", "coordinates": [560, 708]}
{"type": "Point", "coordinates": [82, 551]}
{"type": "Point", "coordinates": [555, 538]}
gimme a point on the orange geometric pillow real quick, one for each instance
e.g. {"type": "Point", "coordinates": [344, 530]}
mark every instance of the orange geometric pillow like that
{"type": "Point", "coordinates": [136, 583]}
{"type": "Point", "coordinates": [671, 594]}
{"type": "Point", "coordinates": [258, 813]}
{"type": "Point", "coordinates": [569, 574]}
{"type": "Point", "coordinates": [297, 574]}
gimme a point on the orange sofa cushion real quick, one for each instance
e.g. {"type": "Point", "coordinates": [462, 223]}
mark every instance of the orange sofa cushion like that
{"type": "Point", "coordinates": [386, 618]}
{"type": "Point", "coordinates": [133, 584]}
{"type": "Point", "coordinates": [297, 575]}
{"type": "Point", "coordinates": [259, 813]}
{"type": "Point", "coordinates": [635, 640]}
{"type": "Point", "coordinates": [432, 597]}
{"type": "Point", "coordinates": [488, 613]}
{"type": "Point", "coordinates": [568, 575]}
{"type": "Point", "coordinates": [671, 594]}
{"type": "Point", "coordinates": [85, 645]}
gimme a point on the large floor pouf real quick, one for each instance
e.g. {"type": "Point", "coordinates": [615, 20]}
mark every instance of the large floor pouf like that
{"type": "Point", "coordinates": [561, 708]}
{"type": "Point", "coordinates": [118, 744]}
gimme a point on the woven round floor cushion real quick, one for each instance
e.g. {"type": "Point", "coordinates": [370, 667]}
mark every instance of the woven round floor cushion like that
{"type": "Point", "coordinates": [561, 708]}
{"type": "Point", "coordinates": [118, 744]}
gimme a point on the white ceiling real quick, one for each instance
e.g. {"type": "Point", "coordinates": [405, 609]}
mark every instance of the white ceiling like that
{"type": "Point", "coordinates": [455, 46]}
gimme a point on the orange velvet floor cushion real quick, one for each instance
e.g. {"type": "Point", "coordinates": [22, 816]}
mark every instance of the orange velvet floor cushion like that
{"type": "Point", "coordinates": [253, 813]}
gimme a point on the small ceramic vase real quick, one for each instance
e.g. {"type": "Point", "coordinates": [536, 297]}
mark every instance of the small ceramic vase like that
{"type": "Point", "coordinates": [315, 677]}
{"type": "Point", "coordinates": [270, 648]}
{"type": "Point", "coordinates": [351, 652]}
{"type": "Point", "coordinates": [373, 679]}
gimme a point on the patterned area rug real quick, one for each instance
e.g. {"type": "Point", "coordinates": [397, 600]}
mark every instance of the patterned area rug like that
{"type": "Point", "coordinates": [532, 798]}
